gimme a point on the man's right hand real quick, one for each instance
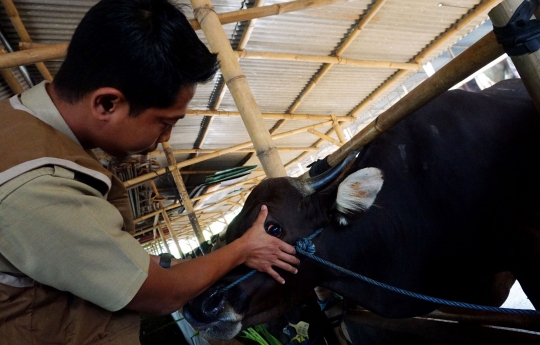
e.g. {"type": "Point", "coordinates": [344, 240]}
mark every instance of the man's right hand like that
{"type": "Point", "coordinates": [264, 252]}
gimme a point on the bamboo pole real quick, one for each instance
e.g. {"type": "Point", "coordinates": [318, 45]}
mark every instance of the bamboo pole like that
{"type": "Point", "coordinates": [13, 15]}
{"type": "Point", "coordinates": [528, 65]}
{"type": "Point", "coordinates": [33, 55]}
{"type": "Point", "coordinates": [265, 11]}
{"type": "Point", "coordinates": [336, 60]}
{"type": "Point", "coordinates": [146, 177]}
{"type": "Point", "coordinates": [249, 28]}
{"type": "Point", "coordinates": [274, 116]}
{"type": "Point", "coordinates": [339, 130]}
{"type": "Point", "coordinates": [482, 52]}
{"type": "Point", "coordinates": [239, 88]}
{"type": "Point", "coordinates": [10, 78]}
{"type": "Point", "coordinates": [325, 137]}
{"type": "Point", "coordinates": [188, 205]}
{"type": "Point", "coordinates": [161, 234]}
{"type": "Point", "coordinates": [167, 221]}
{"type": "Point", "coordinates": [184, 151]}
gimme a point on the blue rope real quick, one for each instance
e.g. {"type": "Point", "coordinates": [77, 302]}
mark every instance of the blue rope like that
{"type": "Point", "coordinates": [252, 272]}
{"type": "Point", "coordinates": [306, 247]}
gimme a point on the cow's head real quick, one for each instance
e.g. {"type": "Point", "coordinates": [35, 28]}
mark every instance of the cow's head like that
{"type": "Point", "coordinates": [296, 208]}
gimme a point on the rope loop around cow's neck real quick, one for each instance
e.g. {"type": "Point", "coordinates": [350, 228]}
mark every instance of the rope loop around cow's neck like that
{"type": "Point", "coordinates": [306, 247]}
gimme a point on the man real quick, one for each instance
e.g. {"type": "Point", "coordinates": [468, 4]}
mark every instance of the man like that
{"type": "Point", "coordinates": [70, 272]}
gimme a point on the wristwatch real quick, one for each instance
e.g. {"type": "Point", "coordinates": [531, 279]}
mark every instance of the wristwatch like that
{"type": "Point", "coordinates": [165, 260]}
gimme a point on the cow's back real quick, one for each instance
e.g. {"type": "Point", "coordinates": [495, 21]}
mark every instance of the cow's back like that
{"type": "Point", "coordinates": [461, 178]}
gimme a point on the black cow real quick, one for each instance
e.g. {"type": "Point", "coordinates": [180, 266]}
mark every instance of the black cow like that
{"type": "Point", "coordinates": [459, 207]}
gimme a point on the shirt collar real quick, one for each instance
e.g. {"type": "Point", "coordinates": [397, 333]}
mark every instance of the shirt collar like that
{"type": "Point", "coordinates": [40, 103]}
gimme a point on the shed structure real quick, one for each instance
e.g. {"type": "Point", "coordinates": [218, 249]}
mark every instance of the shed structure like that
{"type": "Point", "coordinates": [319, 71]}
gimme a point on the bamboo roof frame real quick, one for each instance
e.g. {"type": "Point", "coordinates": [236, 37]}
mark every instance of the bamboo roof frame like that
{"type": "Point", "coordinates": [405, 68]}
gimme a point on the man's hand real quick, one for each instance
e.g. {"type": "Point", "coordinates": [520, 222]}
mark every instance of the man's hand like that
{"type": "Point", "coordinates": [264, 251]}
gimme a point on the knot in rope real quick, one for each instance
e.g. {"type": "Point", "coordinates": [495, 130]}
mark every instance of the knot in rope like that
{"type": "Point", "coordinates": [305, 245]}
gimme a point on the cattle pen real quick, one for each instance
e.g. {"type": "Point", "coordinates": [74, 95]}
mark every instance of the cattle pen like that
{"type": "Point", "coordinates": [298, 81]}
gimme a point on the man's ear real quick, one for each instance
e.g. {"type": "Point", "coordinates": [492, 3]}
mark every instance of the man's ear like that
{"type": "Point", "coordinates": [106, 102]}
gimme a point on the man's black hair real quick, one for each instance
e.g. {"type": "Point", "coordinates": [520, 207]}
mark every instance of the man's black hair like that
{"type": "Point", "coordinates": [144, 48]}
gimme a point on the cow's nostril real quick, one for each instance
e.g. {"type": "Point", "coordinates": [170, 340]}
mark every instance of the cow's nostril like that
{"type": "Point", "coordinates": [204, 309]}
{"type": "Point", "coordinates": [213, 305]}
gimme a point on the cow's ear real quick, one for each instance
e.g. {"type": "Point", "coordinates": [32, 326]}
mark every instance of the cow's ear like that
{"type": "Point", "coordinates": [357, 193]}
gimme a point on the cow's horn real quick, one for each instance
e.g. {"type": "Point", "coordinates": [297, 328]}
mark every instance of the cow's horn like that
{"type": "Point", "coordinates": [319, 182]}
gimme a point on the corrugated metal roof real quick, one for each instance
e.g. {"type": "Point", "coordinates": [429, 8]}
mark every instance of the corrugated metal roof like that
{"type": "Point", "coordinates": [400, 31]}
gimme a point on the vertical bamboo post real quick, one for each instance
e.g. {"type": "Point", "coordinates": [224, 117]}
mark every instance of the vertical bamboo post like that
{"type": "Point", "coordinates": [161, 234]}
{"type": "Point", "coordinates": [186, 201]}
{"type": "Point", "coordinates": [13, 15]}
{"type": "Point", "coordinates": [338, 130]}
{"type": "Point", "coordinates": [167, 221]}
{"type": "Point", "coordinates": [10, 78]}
{"type": "Point", "coordinates": [528, 65]}
{"type": "Point", "coordinates": [238, 86]}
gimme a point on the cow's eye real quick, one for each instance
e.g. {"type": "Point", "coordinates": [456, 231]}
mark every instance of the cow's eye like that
{"type": "Point", "coordinates": [273, 230]}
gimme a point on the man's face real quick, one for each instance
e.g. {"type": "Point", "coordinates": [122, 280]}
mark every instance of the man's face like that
{"type": "Point", "coordinates": [144, 132]}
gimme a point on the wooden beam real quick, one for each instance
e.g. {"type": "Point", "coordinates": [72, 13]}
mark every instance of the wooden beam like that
{"type": "Point", "coordinates": [238, 86]}
{"type": "Point", "coordinates": [335, 60]}
{"type": "Point", "coordinates": [184, 151]}
{"type": "Point", "coordinates": [271, 10]}
{"type": "Point", "coordinates": [274, 116]}
{"type": "Point", "coordinates": [146, 177]}
{"type": "Point", "coordinates": [167, 221]}
{"type": "Point", "coordinates": [325, 137]}
{"type": "Point", "coordinates": [13, 15]}
{"type": "Point", "coordinates": [10, 78]}
{"type": "Point", "coordinates": [186, 201]}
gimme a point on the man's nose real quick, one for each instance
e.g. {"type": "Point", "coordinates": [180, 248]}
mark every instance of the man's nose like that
{"type": "Point", "coordinates": [165, 135]}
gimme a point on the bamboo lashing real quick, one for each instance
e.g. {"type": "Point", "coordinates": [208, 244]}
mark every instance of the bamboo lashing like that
{"type": "Point", "coordinates": [468, 62]}
{"type": "Point", "coordinates": [10, 78]}
{"type": "Point", "coordinates": [528, 65]}
{"type": "Point", "coordinates": [146, 177]}
{"type": "Point", "coordinates": [167, 221]}
{"type": "Point", "coordinates": [238, 86]}
{"type": "Point", "coordinates": [186, 201]}
{"type": "Point", "coordinates": [17, 23]}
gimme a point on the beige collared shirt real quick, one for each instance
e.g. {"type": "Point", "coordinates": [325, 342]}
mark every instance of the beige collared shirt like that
{"type": "Point", "coordinates": [63, 233]}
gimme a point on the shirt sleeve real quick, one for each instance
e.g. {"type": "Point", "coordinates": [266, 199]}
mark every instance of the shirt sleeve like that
{"type": "Point", "coordinates": [63, 233]}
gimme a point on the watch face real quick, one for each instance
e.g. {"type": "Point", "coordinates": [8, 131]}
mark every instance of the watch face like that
{"type": "Point", "coordinates": [165, 260]}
